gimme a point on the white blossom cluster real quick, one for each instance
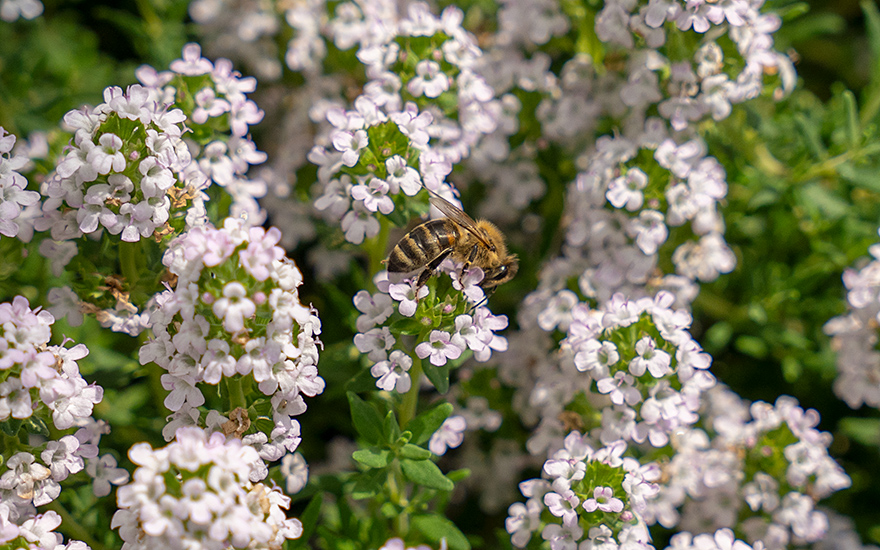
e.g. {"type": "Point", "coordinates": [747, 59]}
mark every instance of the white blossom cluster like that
{"type": "Point", "coordinates": [708, 480]}
{"type": "Point", "coordinates": [474, 330]}
{"type": "Point", "coordinates": [37, 375]}
{"type": "Point", "coordinates": [574, 485]}
{"type": "Point", "coordinates": [855, 336]}
{"type": "Point", "coordinates": [647, 387]}
{"type": "Point", "coordinates": [196, 493]}
{"type": "Point", "coordinates": [235, 315]}
{"type": "Point", "coordinates": [121, 186]}
{"type": "Point", "coordinates": [223, 113]}
{"type": "Point", "coordinates": [622, 207]}
{"type": "Point", "coordinates": [647, 193]}
{"type": "Point", "coordinates": [131, 170]}
{"type": "Point", "coordinates": [14, 196]}
{"type": "Point", "coordinates": [619, 249]}
{"type": "Point", "coordinates": [39, 381]}
{"type": "Point", "coordinates": [441, 139]}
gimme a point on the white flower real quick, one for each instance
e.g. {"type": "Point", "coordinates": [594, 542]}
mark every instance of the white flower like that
{"type": "Point", "coordinates": [295, 471]}
{"type": "Point", "coordinates": [441, 346]}
{"type": "Point", "coordinates": [234, 307]}
{"type": "Point", "coordinates": [359, 224]}
{"type": "Point", "coordinates": [655, 360]}
{"type": "Point", "coordinates": [626, 191]}
{"type": "Point", "coordinates": [604, 500]}
{"type": "Point", "coordinates": [375, 196]}
{"type": "Point", "coordinates": [449, 435]}
{"type": "Point", "coordinates": [429, 80]}
{"type": "Point", "coordinates": [402, 176]}
{"type": "Point", "coordinates": [392, 373]}
{"type": "Point", "coordinates": [408, 296]}
{"type": "Point", "coordinates": [350, 145]}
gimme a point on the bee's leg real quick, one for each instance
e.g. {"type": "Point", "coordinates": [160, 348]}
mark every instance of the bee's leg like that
{"type": "Point", "coordinates": [485, 299]}
{"type": "Point", "coordinates": [470, 259]}
{"type": "Point", "coordinates": [429, 269]}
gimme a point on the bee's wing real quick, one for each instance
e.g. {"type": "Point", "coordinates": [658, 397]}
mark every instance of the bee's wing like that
{"type": "Point", "coordinates": [457, 215]}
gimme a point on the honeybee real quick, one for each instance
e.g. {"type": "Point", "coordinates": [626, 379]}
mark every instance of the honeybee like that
{"type": "Point", "coordinates": [477, 243]}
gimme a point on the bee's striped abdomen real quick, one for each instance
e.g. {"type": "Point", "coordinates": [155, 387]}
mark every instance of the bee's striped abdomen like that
{"type": "Point", "coordinates": [421, 245]}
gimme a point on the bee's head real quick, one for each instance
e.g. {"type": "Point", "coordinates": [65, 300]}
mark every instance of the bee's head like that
{"type": "Point", "coordinates": [501, 274]}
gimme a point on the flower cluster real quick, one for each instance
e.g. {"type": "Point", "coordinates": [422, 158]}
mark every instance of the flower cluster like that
{"type": "Point", "coordinates": [219, 115]}
{"type": "Point", "coordinates": [39, 382]}
{"type": "Point", "coordinates": [582, 487]}
{"type": "Point", "coordinates": [398, 138]}
{"type": "Point", "coordinates": [38, 377]}
{"type": "Point", "coordinates": [622, 217]}
{"type": "Point", "coordinates": [234, 315]}
{"type": "Point", "coordinates": [126, 156]}
{"type": "Point", "coordinates": [195, 492]}
{"type": "Point", "coordinates": [639, 355]}
{"type": "Point", "coordinates": [769, 457]}
{"type": "Point", "coordinates": [14, 197]}
{"type": "Point", "coordinates": [446, 326]}
{"type": "Point", "coordinates": [139, 166]}
{"type": "Point", "coordinates": [855, 336]}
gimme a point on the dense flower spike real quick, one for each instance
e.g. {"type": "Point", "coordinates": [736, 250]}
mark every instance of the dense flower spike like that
{"type": "Point", "coordinates": [396, 138]}
{"type": "Point", "coordinates": [138, 167]}
{"type": "Point", "coordinates": [780, 489]}
{"type": "Point", "coordinates": [584, 486]}
{"type": "Point", "coordinates": [457, 326]}
{"type": "Point", "coordinates": [196, 492]}
{"type": "Point", "coordinates": [235, 315]}
{"type": "Point", "coordinates": [855, 336]}
{"type": "Point", "coordinates": [14, 197]}
{"type": "Point", "coordinates": [42, 384]}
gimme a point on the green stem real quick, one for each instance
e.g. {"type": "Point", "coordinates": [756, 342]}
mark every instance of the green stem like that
{"type": "Point", "coordinates": [410, 401]}
{"type": "Point", "coordinates": [398, 497]}
{"type": "Point", "coordinates": [829, 166]}
{"type": "Point", "coordinates": [236, 393]}
{"type": "Point", "coordinates": [72, 528]}
{"type": "Point", "coordinates": [128, 256]}
{"type": "Point", "coordinates": [376, 248]}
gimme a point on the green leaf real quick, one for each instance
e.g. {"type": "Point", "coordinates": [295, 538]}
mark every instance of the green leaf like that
{"type": "Point", "coordinates": [817, 198]}
{"type": "Point", "coordinates": [363, 381]}
{"type": "Point", "coordinates": [426, 473]}
{"type": "Point", "coordinates": [368, 485]}
{"type": "Point", "coordinates": [415, 452]}
{"type": "Point", "coordinates": [11, 426]}
{"type": "Point", "coordinates": [309, 519]}
{"type": "Point", "coordinates": [35, 425]}
{"type": "Point", "coordinates": [439, 376]}
{"type": "Point", "coordinates": [864, 430]}
{"type": "Point", "coordinates": [851, 122]}
{"type": "Point", "coordinates": [366, 419]}
{"type": "Point", "coordinates": [871, 98]}
{"type": "Point", "coordinates": [406, 326]}
{"type": "Point", "coordinates": [436, 528]}
{"type": "Point", "coordinates": [810, 135]}
{"type": "Point", "coordinates": [459, 475]}
{"type": "Point", "coordinates": [372, 458]}
{"type": "Point", "coordinates": [392, 428]}
{"type": "Point", "coordinates": [424, 425]}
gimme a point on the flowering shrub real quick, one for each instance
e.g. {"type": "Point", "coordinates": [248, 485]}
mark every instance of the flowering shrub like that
{"type": "Point", "coordinates": [255, 371]}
